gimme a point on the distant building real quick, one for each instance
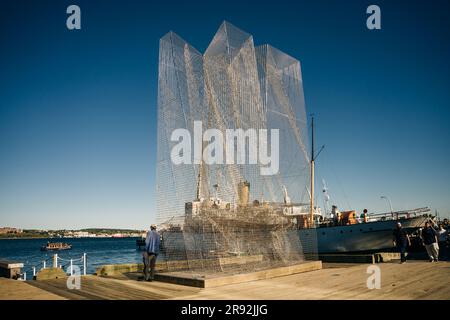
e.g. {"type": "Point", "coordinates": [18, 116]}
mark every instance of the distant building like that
{"type": "Point", "coordinates": [6, 230]}
{"type": "Point", "coordinates": [118, 235]}
{"type": "Point", "coordinates": [81, 234]}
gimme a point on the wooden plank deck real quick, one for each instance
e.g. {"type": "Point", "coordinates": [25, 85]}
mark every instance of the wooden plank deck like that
{"type": "Point", "coordinates": [413, 280]}
{"type": "Point", "coordinates": [19, 290]}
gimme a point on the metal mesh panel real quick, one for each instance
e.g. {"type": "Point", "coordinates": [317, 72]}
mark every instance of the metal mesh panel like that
{"type": "Point", "coordinates": [229, 217]}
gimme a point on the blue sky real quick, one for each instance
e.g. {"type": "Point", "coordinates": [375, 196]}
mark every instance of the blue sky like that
{"type": "Point", "coordinates": [78, 108]}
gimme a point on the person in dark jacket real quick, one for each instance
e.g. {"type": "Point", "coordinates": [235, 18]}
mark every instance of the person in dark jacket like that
{"type": "Point", "coordinates": [430, 241]}
{"type": "Point", "coordinates": [152, 243]}
{"type": "Point", "coordinates": [401, 241]}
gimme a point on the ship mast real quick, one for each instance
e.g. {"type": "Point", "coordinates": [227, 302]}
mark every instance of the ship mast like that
{"type": "Point", "coordinates": [311, 208]}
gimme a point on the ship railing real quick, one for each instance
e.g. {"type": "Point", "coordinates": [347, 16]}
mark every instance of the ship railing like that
{"type": "Point", "coordinates": [56, 262]}
{"type": "Point", "coordinates": [388, 216]}
{"type": "Point", "coordinates": [395, 215]}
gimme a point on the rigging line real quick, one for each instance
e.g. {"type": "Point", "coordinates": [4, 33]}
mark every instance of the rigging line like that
{"type": "Point", "coordinates": [293, 162]}
{"type": "Point", "coordinates": [340, 183]}
{"type": "Point", "coordinates": [336, 202]}
{"type": "Point", "coordinates": [286, 116]}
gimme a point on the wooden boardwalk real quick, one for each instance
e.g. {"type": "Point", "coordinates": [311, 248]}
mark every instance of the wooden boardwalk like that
{"type": "Point", "coordinates": [19, 290]}
{"type": "Point", "coordinates": [413, 280]}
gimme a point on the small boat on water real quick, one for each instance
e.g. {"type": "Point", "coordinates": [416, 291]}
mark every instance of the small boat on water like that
{"type": "Point", "coordinates": [56, 246]}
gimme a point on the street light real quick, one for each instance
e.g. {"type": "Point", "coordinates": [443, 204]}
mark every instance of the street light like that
{"type": "Point", "coordinates": [390, 204]}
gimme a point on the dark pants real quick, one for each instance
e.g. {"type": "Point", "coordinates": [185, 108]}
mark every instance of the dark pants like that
{"type": "Point", "coordinates": [149, 265]}
{"type": "Point", "coordinates": [402, 249]}
{"type": "Point", "coordinates": [443, 250]}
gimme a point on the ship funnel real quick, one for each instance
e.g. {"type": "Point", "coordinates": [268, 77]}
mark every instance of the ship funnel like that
{"type": "Point", "coordinates": [243, 193]}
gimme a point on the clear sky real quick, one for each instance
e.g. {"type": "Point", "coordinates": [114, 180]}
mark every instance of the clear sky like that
{"type": "Point", "coordinates": [78, 108]}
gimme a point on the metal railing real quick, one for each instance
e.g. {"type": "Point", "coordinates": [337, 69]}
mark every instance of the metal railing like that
{"type": "Point", "coordinates": [57, 262]}
{"type": "Point", "coordinates": [400, 214]}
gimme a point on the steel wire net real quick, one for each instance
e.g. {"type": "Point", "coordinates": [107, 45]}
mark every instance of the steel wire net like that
{"type": "Point", "coordinates": [221, 216]}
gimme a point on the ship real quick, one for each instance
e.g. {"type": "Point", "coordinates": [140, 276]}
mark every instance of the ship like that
{"type": "Point", "coordinates": [351, 234]}
{"type": "Point", "coordinates": [359, 236]}
{"type": "Point", "coordinates": [348, 232]}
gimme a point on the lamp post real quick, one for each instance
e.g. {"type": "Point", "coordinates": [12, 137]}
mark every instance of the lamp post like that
{"type": "Point", "coordinates": [390, 204]}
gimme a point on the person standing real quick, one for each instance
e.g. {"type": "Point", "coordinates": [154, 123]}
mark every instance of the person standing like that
{"type": "Point", "coordinates": [401, 241]}
{"type": "Point", "coordinates": [152, 243]}
{"type": "Point", "coordinates": [442, 234]}
{"type": "Point", "coordinates": [430, 241]}
{"type": "Point", "coordinates": [365, 216]}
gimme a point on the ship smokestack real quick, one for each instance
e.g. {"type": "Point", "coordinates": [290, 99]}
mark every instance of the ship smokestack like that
{"type": "Point", "coordinates": [243, 193]}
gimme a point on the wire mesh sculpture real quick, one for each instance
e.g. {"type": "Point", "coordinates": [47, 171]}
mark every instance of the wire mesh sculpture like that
{"type": "Point", "coordinates": [219, 217]}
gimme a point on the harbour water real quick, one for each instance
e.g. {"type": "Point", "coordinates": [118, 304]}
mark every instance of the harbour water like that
{"type": "Point", "coordinates": [100, 251]}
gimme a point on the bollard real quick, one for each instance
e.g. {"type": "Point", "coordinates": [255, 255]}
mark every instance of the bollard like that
{"type": "Point", "coordinates": [44, 263]}
{"type": "Point", "coordinates": [71, 267]}
{"type": "Point", "coordinates": [34, 271]}
{"type": "Point", "coordinates": [55, 261]}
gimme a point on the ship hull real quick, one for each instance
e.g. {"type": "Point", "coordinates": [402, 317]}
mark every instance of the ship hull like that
{"type": "Point", "coordinates": [362, 237]}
